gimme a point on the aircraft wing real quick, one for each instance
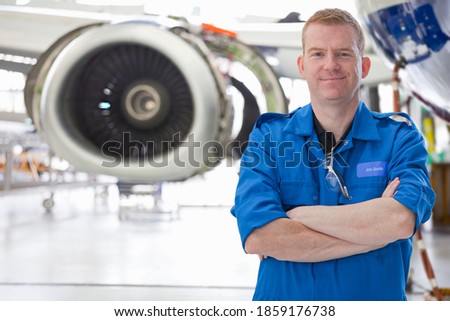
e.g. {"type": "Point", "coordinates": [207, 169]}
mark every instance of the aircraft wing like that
{"type": "Point", "coordinates": [29, 31]}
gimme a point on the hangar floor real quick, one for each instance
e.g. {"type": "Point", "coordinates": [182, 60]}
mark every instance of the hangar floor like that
{"type": "Point", "coordinates": [89, 248]}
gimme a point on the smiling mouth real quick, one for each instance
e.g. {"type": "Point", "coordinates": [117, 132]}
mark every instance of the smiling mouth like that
{"type": "Point", "coordinates": [332, 79]}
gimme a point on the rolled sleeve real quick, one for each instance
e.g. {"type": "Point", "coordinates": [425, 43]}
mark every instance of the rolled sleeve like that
{"type": "Point", "coordinates": [409, 164]}
{"type": "Point", "coordinates": [419, 200]}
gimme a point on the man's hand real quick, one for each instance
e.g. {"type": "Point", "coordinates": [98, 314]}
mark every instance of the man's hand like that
{"type": "Point", "coordinates": [389, 191]}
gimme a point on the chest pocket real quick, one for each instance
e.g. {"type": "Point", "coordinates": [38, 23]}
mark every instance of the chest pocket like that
{"type": "Point", "coordinates": [298, 193]}
{"type": "Point", "coordinates": [364, 189]}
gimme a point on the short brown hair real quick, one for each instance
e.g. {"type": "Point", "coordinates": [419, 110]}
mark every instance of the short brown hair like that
{"type": "Point", "coordinates": [336, 17]}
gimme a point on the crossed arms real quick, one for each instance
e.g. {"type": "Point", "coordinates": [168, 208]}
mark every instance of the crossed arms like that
{"type": "Point", "coordinates": [321, 233]}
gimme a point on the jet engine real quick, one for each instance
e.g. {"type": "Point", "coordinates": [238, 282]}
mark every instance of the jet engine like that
{"type": "Point", "coordinates": [145, 101]}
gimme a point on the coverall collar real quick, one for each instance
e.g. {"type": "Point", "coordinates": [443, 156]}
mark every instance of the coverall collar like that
{"type": "Point", "coordinates": [302, 123]}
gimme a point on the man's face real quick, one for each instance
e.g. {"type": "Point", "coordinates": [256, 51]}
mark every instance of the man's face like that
{"type": "Point", "coordinates": [332, 64]}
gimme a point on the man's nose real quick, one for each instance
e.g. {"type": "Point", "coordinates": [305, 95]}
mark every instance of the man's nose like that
{"type": "Point", "coordinates": [331, 62]}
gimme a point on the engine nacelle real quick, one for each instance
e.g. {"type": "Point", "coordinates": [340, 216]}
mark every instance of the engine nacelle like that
{"type": "Point", "coordinates": [414, 35]}
{"type": "Point", "coordinates": [135, 100]}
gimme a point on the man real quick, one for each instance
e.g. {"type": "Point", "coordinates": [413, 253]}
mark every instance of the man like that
{"type": "Point", "coordinates": [330, 195]}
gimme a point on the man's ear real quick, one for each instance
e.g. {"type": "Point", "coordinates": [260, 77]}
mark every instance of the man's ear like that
{"type": "Point", "coordinates": [366, 63]}
{"type": "Point", "coordinates": [300, 65]}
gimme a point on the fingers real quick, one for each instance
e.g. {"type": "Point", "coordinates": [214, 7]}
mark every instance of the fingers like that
{"type": "Point", "coordinates": [293, 212]}
{"type": "Point", "coordinates": [390, 189]}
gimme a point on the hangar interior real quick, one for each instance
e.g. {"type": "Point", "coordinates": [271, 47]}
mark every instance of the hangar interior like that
{"type": "Point", "coordinates": [66, 234]}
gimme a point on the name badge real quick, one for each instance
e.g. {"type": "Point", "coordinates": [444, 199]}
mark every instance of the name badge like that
{"type": "Point", "coordinates": [371, 169]}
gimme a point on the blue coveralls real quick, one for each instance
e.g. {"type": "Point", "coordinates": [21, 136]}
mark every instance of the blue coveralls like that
{"type": "Point", "coordinates": [282, 168]}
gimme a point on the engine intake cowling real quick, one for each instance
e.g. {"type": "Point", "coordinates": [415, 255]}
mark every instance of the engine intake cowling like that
{"type": "Point", "coordinates": [132, 101]}
{"type": "Point", "coordinates": [141, 101]}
